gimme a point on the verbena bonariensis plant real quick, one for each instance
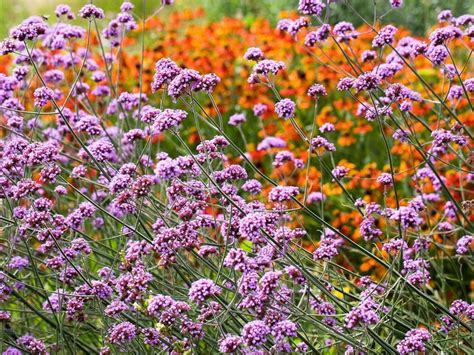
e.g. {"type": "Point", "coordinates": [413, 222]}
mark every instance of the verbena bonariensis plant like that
{"type": "Point", "coordinates": [123, 233]}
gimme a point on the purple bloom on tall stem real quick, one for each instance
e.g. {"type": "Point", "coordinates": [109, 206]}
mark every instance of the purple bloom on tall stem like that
{"type": "Point", "coordinates": [255, 333]}
{"type": "Point", "coordinates": [345, 31]}
{"type": "Point", "coordinates": [203, 289]}
{"type": "Point", "coordinates": [18, 262]}
{"type": "Point", "coordinates": [464, 244]}
{"type": "Point", "coordinates": [229, 343]}
{"type": "Point", "coordinates": [385, 36]}
{"type": "Point", "coordinates": [283, 193]}
{"type": "Point", "coordinates": [168, 119]}
{"type": "Point", "coordinates": [414, 341]}
{"type": "Point", "coordinates": [368, 55]}
{"type": "Point", "coordinates": [340, 172]}
{"type": "Point", "coordinates": [236, 119]}
{"type": "Point", "coordinates": [385, 179]}
{"type": "Point", "coordinates": [122, 333]}
{"type": "Point", "coordinates": [90, 11]}
{"type": "Point", "coordinates": [165, 71]}
{"type": "Point", "coordinates": [317, 90]}
{"type": "Point", "coordinates": [367, 82]}
{"type": "Point", "coordinates": [396, 3]}
{"type": "Point", "coordinates": [254, 53]}
{"type": "Point", "coordinates": [311, 7]}
{"type": "Point", "coordinates": [43, 95]}
{"type": "Point", "coordinates": [285, 108]}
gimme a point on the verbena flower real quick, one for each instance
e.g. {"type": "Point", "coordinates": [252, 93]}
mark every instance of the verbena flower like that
{"type": "Point", "coordinates": [285, 108]}
{"type": "Point", "coordinates": [414, 341]}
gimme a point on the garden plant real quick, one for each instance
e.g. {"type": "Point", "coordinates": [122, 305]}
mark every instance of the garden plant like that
{"type": "Point", "coordinates": [170, 185]}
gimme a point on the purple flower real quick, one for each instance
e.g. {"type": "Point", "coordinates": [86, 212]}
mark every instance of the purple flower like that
{"type": "Point", "coordinates": [268, 66]}
{"type": "Point", "coordinates": [345, 31]}
{"type": "Point", "coordinates": [367, 82]}
{"type": "Point", "coordinates": [463, 245]}
{"type": "Point", "coordinates": [32, 345]}
{"type": "Point", "coordinates": [321, 142]}
{"type": "Point", "coordinates": [327, 127]}
{"type": "Point", "coordinates": [414, 341]}
{"type": "Point", "coordinates": [285, 328]}
{"type": "Point", "coordinates": [53, 76]}
{"type": "Point", "coordinates": [203, 289]}
{"type": "Point", "coordinates": [385, 36]}
{"type": "Point", "coordinates": [253, 224]}
{"type": "Point", "coordinates": [169, 118]}
{"type": "Point", "coordinates": [122, 333]}
{"type": "Point", "coordinates": [311, 7]}
{"type": "Point", "coordinates": [30, 29]}
{"type": "Point", "coordinates": [407, 216]}
{"type": "Point", "coordinates": [437, 54]}
{"type": "Point", "coordinates": [187, 79]}
{"type": "Point", "coordinates": [455, 93]}
{"type": "Point", "coordinates": [254, 53]}
{"type": "Point", "coordinates": [315, 197]}
{"type": "Point", "coordinates": [43, 95]}
{"type": "Point", "coordinates": [236, 119]}
{"type": "Point", "coordinates": [340, 172]}
{"type": "Point", "coordinates": [90, 11]}
{"type": "Point", "coordinates": [369, 230]}
{"type": "Point", "coordinates": [255, 333]}
{"type": "Point", "coordinates": [64, 10]}
{"type": "Point", "coordinates": [385, 179]}
{"type": "Point", "coordinates": [328, 247]}
{"type": "Point", "coordinates": [283, 193]}
{"type": "Point", "coordinates": [165, 71]}
{"type": "Point", "coordinates": [207, 83]}
{"type": "Point", "coordinates": [229, 343]}
{"type": "Point", "coordinates": [260, 109]}
{"type": "Point", "coordinates": [318, 36]}
{"type": "Point", "coordinates": [345, 84]}
{"type": "Point", "coordinates": [416, 271]}
{"type": "Point", "coordinates": [368, 55]}
{"type": "Point", "coordinates": [252, 186]}
{"type": "Point", "coordinates": [271, 142]}
{"type": "Point", "coordinates": [12, 351]}
{"type": "Point", "coordinates": [126, 6]}
{"type": "Point", "coordinates": [469, 84]}
{"type": "Point", "coordinates": [18, 263]}
{"type": "Point", "coordinates": [317, 90]}
{"type": "Point", "coordinates": [282, 157]}
{"type": "Point", "coordinates": [443, 34]}
{"type": "Point", "coordinates": [115, 307]}
{"type": "Point", "coordinates": [365, 313]}
{"type": "Point", "coordinates": [396, 4]}
{"type": "Point", "coordinates": [159, 303]}
{"type": "Point", "coordinates": [399, 92]}
{"type": "Point", "coordinates": [445, 15]}
{"type": "Point", "coordinates": [285, 108]}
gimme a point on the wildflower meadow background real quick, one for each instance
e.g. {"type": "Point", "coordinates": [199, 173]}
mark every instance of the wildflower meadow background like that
{"type": "Point", "coordinates": [248, 177]}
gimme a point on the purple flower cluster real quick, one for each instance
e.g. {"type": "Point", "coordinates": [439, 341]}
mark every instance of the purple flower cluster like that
{"type": "Point", "coordinates": [385, 36]}
{"type": "Point", "coordinates": [90, 12]}
{"type": "Point", "coordinates": [328, 246]}
{"type": "Point", "coordinates": [283, 193]}
{"type": "Point", "coordinates": [203, 289]}
{"type": "Point", "coordinates": [168, 119]}
{"type": "Point", "coordinates": [311, 7]}
{"type": "Point", "coordinates": [285, 108]}
{"type": "Point", "coordinates": [414, 341]}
